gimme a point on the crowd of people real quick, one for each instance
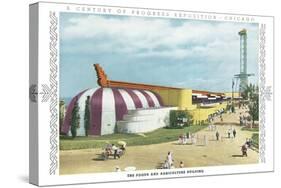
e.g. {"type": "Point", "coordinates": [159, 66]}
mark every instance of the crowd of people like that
{"type": "Point", "coordinates": [243, 120]}
{"type": "Point", "coordinates": [184, 138]}
{"type": "Point", "coordinates": [219, 113]}
{"type": "Point", "coordinates": [192, 139]}
{"type": "Point", "coordinates": [231, 133]}
{"type": "Point", "coordinates": [212, 127]}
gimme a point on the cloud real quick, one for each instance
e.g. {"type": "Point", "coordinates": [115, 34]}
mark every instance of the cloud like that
{"type": "Point", "coordinates": [183, 53]}
{"type": "Point", "coordinates": [144, 37]}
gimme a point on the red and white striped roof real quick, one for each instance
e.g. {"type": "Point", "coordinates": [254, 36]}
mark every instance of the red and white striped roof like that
{"type": "Point", "coordinates": [108, 105]}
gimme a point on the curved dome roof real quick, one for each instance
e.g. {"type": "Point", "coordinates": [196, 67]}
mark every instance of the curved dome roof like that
{"type": "Point", "coordinates": [108, 105]}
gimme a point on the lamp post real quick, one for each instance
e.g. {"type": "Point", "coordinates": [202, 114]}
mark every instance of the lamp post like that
{"type": "Point", "coordinates": [232, 95]}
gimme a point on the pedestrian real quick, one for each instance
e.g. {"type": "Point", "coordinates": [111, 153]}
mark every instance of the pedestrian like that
{"type": "Point", "coordinates": [244, 150]}
{"type": "Point", "coordinates": [166, 165]}
{"type": "Point", "coordinates": [172, 166]}
{"type": "Point", "coordinates": [248, 143]}
{"type": "Point", "coordinates": [181, 164]}
{"type": "Point", "coordinates": [234, 133]}
{"type": "Point", "coordinates": [188, 135]}
{"type": "Point", "coordinates": [117, 169]}
{"type": "Point", "coordinates": [228, 133]}
{"type": "Point", "coordinates": [193, 139]}
{"type": "Point", "coordinates": [217, 135]}
{"type": "Point", "coordinates": [180, 139]}
{"type": "Point", "coordinates": [170, 159]}
{"type": "Point", "coordinates": [184, 139]}
{"type": "Point", "coordinates": [205, 140]}
{"type": "Point", "coordinates": [115, 149]}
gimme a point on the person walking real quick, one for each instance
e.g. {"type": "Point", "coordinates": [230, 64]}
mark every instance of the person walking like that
{"type": "Point", "coordinates": [244, 150]}
{"type": "Point", "coordinates": [234, 133]}
{"type": "Point", "coordinates": [170, 159]}
{"type": "Point", "coordinates": [217, 135]}
{"type": "Point", "coordinates": [241, 120]}
{"type": "Point", "coordinates": [228, 133]}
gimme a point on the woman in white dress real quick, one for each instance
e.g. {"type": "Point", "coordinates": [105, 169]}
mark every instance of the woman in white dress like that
{"type": "Point", "coordinates": [170, 159]}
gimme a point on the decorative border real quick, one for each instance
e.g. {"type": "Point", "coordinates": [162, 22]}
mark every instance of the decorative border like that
{"type": "Point", "coordinates": [53, 93]}
{"type": "Point", "coordinates": [263, 93]}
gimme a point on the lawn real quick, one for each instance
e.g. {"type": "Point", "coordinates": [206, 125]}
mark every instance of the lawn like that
{"type": "Point", "coordinates": [158, 136]}
{"type": "Point", "coordinates": [255, 135]}
{"type": "Point", "coordinates": [255, 138]}
{"type": "Point", "coordinates": [254, 129]}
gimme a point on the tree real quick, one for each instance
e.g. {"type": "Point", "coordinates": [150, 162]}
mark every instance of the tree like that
{"type": "Point", "coordinates": [254, 108]}
{"type": "Point", "coordinates": [75, 120]}
{"type": "Point", "coordinates": [61, 113]}
{"type": "Point", "coordinates": [248, 92]}
{"type": "Point", "coordinates": [189, 118]}
{"type": "Point", "coordinates": [180, 118]}
{"type": "Point", "coordinates": [251, 93]}
{"type": "Point", "coordinates": [87, 116]}
{"type": "Point", "coordinates": [230, 107]}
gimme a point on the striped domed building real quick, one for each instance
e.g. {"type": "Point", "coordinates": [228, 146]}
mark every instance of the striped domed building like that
{"type": "Point", "coordinates": [127, 107]}
{"type": "Point", "coordinates": [117, 110]}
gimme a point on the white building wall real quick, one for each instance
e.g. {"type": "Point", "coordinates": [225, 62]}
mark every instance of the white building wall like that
{"type": "Point", "coordinates": [108, 119]}
{"type": "Point", "coordinates": [145, 120]}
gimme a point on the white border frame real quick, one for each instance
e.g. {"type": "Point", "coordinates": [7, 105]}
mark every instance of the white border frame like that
{"type": "Point", "coordinates": [48, 87]}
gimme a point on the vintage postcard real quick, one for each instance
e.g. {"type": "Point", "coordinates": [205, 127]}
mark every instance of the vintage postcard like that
{"type": "Point", "coordinates": [129, 93]}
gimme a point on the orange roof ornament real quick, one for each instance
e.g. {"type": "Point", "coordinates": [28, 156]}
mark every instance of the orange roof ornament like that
{"type": "Point", "coordinates": [102, 77]}
{"type": "Point", "coordinates": [103, 81]}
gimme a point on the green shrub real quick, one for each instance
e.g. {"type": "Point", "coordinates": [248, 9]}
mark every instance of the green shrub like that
{"type": "Point", "coordinates": [180, 118]}
{"type": "Point", "coordinates": [75, 120]}
{"type": "Point", "coordinates": [87, 116]}
{"type": "Point", "coordinates": [255, 138]}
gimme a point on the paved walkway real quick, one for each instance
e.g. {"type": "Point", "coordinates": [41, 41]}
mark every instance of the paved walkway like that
{"type": "Point", "coordinates": [227, 151]}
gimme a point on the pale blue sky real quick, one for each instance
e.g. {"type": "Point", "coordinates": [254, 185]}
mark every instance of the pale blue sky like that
{"type": "Point", "coordinates": [181, 53]}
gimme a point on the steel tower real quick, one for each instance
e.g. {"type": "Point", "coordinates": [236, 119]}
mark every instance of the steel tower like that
{"type": "Point", "coordinates": [243, 76]}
